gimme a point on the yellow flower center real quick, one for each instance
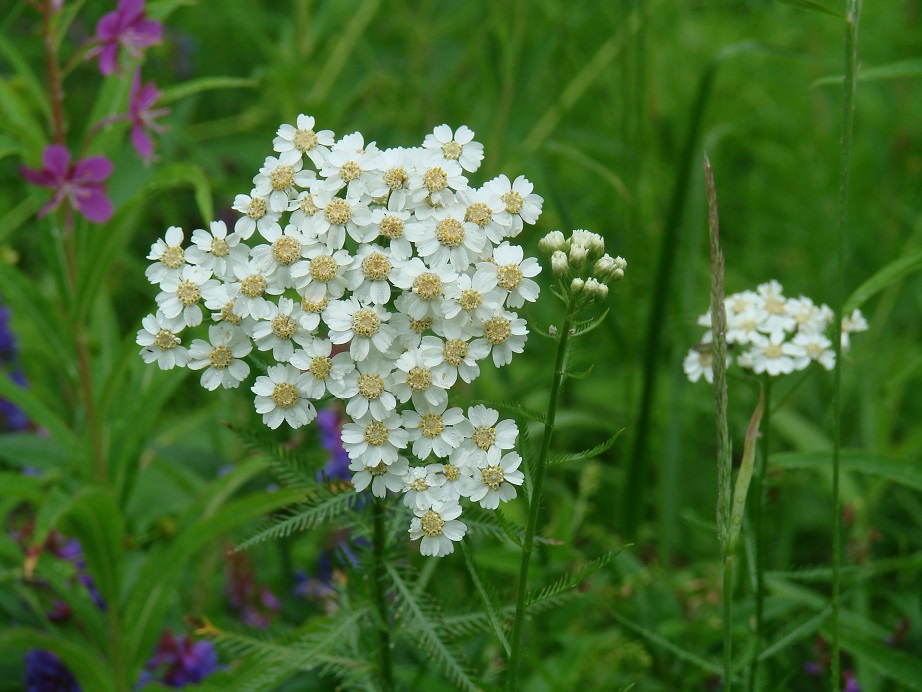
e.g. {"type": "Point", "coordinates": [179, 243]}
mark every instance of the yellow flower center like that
{"type": "Point", "coordinates": [450, 232]}
{"type": "Point", "coordinates": [371, 386]}
{"type": "Point", "coordinates": [396, 178]}
{"type": "Point", "coordinates": [435, 179]}
{"type": "Point", "coordinates": [376, 267]}
{"type": "Point", "coordinates": [316, 306]}
{"type": "Point", "coordinates": [166, 340]}
{"type": "Point", "coordinates": [338, 212]}
{"type": "Point", "coordinates": [815, 351]}
{"type": "Point", "coordinates": [419, 378]}
{"type": "Point", "coordinates": [220, 357]}
{"type": "Point", "coordinates": [492, 477]}
{"type": "Point", "coordinates": [323, 268]}
{"type": "Point", "coordinates": [455, 351]}
{"type": "Point", "coordinates": [478, 213]}
{"type": "Point", "coordinates": [320, 367]}
{"type": "Point", "coordinates": [305, 140]}
{"type": "Point", "coordinates": [188, 292]}
{"type": "Point", "coordinates": [219, 247]}
{"type": "Point", "coordinates": [509, 276]}
{"type": "Point", "coordinates": [308, 207]}
{"type": "Point", "coordinates": [774, 306]}
{"type": "Point", "coordinates": [431, 524]}
{"type": "Point", "coordinates": [365, 323]}
{"type": "Point", "coordinates": [376, 433]}
{"type": "Point", "coordinates": [497, 330]}
{"type": "Point", "coordinates": [257, 208]}
{"type": "Point", "coordinates": [228, 314]}
{"type": "Point", "coordinates": [253, 286]}
{"type": "Point", "coordinates": [428, 285]}
{"type": "Point", "coordinates": [470, 299]}
{"type": "Point", "coordinates": [452, 473]}
{"type": "Point", "coordinates": [172, 257]}
{"type": "Point", "coordinates": [431, 425]}
{"type": "Point", "coordinates": [283, 326]}
{"type": "Point", "coordinates": [378, 470]}
{"type": "Point", "coordinates": [451, 150]}
{"type": "Point", "coordinates": [419, 485]}
{"type": "Point", "coordinates": [419, 326]}
{"type": "Point", "coordinates": [282, 178]}
{"type": "Point", "coordinates": [773, 351]}
{"type": "Point", "coordinates": [513, 201]}
{"type": "Point", "coordinates": [484, 437]}
{"type": "Point", "coordinates": [286, 250]}
{"type": "Point", "coordinates": [392, 227]}
{"type": "Point", "coordinates": [350, 171]}
{"type": "Point", "coordinates": [285, 395]}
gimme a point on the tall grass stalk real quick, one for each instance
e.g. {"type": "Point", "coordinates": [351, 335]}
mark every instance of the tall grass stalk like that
{"type": "Point", "coordinates": [534, 499]}
{"type": "Point", "coordinates": [380, 596]}
{"type": "Point", "coordinates": [759, 528]}
{"type": "Point", "coordinates": [724, 461]}
{"type": "Point", "coordinates": [852, 17]}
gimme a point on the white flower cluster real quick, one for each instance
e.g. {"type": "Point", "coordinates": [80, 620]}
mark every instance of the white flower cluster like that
{"type": "Point", "coordinates": [783, 334]}
{"type": "Point", "coordinates": [380, 278]}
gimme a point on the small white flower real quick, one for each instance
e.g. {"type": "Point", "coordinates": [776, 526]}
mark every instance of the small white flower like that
{"type": "Point", "coordinates": [772, 354]}
{"type": "Point", "coordinates": [513, 272]}
{"type": "Point", "coordinates": [496, 479]}
{"type": "Point", "coordinates": [221, 357]}
{"type": "Point", "coordinates": [322, 273]}
{"type": "Point", "coordinates": [276, 182]}
{"type": "Point", "coordinates": [321, 371]}
{"type": "Point", "coordinates": [167, 252]}
{"type": "Point", "coordinates": [414, 378]}
{"type": "Point", "coordinates": [285, 249]}
{"type": "Point", "coordinates": [351, 164]}
{"type": "Point", "coordinates": [810, 318]}
{"type": "Point", "coordinates": [504, 333]}
{"type": "Point", "coordinates": [447, 237]}
{"type": "Point", "coordinates": [182, 294]}
{"type": "Point", "coordinates": [371, 274]}
{"type": "Point", "coordinates": [423, 486]}
{"type": "Point", "coordinates": [522, 206]}
{"type": "Point", "coordinates": [311, 310]}
{"type": "Point", "coordinates": [483, 207]}
{"type": "Point", "coordinates": [291, 143]}
{"type": "Point", "coordinates": [249, 291]}
{"type": "Point", "coordinates": [777, 316]}
{"type": "Point", "coordinates": [280, 396]}
{"type": "Point", "coordinates": [222, 302]}
{"type": "Point", "coordinates": [304, 211]}
{"type": "Point", "coordinates": [256, 214]}
{"type": "Point", "coordinates": [395, 166]}
{"type": "Point", "coordinates": [374, 441]}
{"type": "Point", "coordinates": [699, 362]}
{"type": "Point", "coordinates": [489, 433]}
{"type": "Point", "coordinates": [340, 216]}
{"type": "Point", "coordinates": [456, 146]}
{"type": "Point", "coordinates": [438, 526]}
{"type": "Point", "coordinates": [217, 251]}
{"type": "Point", "coordinates": [361, 326]}
{"type": "Point", "coordinates": [435, 430]}
{"type": "Point", "coordinates": [388, 224]}
{"type": "Point", "coordinates": [813, 346]}
{"type": "Point", "coordinates": [745, 325]}
{"type": "Point", "coordinates": [434, 178]}
{"type": "Point", "coordinates": [459, 475]}
{"type": "Point", "coordinates": [382, 477]}
{"type": "Point", "coordinates": [454, 355]}
{"type": "Point", "coordinates": [424, 287]}
{"type": "Point", "coordinates": [281, 329]}
{"type": "Point", "coordinates": [850, 324]}
{"type": "Point", "coordinates": [160, 343]}
{"type": "Point", "coordinates": [368, 389]}
{"type": "Point", "coordinates": [472, 299]}
{"type": "Point", "coordinates": [408, 332]}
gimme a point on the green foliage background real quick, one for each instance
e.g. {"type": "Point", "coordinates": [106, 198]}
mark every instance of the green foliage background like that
{"type": "Point", "coordinates": [607, 107]}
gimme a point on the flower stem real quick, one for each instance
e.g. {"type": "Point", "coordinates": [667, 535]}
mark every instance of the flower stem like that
{"type": "Point", "coordinates": [845, 157]}
{"type": "Point", "coordinates": [759, 528]}
{"type": "Point", "coordinates": [384, 633]}
{"type": "Point", "coordinates": [728, 622]}
{"type": "Point", "coordinates": [535, 498]}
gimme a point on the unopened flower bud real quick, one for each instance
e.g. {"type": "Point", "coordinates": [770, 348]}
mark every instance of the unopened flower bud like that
{"type": "Point", "coordinates": [603, 268]}
{"type": "Point", "coordinates": [552, 242]}
{"type": "Point", "coordinates": [577, 286]}
{"type": "Point", "coordinates": [559, 264]}
{"type": "Point", "coordinates": [596, 290]}
{"type": "Point", "coordinates": [593, 242]}
{"type": "Point", "coordinates": [552, 330]}
{"type": "Point", "coordinates": [578, 257]}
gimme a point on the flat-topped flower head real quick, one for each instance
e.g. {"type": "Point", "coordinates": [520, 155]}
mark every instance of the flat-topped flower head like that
{"type": "Point", "coordinates": [438, 526]}
{"type": "Point", "coordinates": [221, 358]}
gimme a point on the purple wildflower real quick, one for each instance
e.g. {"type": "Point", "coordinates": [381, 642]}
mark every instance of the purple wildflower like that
{"type": "Point", "coordinates": [46, 673]}
{"type": "Point", "coordinates": [126, 27]}
{"type": "Point", "coordinates": [13, 418]}
{"type": "Point", "coordinates": [142, 116]}
{"type": "Point", "coordinates": [178, 662]}
{"type": "Point", "coordinates": [81, 183]}
{"type": "Point", "coordinates": [337, 468]}
{"type": "Point", "coordinates": [254, 604]}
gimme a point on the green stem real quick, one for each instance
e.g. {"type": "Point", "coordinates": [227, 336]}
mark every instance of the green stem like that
{"type": "Point", "coordinates": [845, 159]}
{"type": "Point", "coordinates": [535, 499]}
{"type": "Point", "coordinates": [384, 630]}
{"type": "Point", "coordinates": [759, 528]}
{"type": "Point", "coordinates": [728, 622]}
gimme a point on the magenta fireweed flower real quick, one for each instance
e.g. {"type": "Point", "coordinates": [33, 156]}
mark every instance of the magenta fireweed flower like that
{"type": "Point", "coordinates": [126, 27]}
{"type": "Point", "coordinates": [143, 97]}
{"type": "Point", "coordinates": [80, 183]}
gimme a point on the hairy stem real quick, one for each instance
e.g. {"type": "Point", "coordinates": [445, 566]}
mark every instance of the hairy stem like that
{"type": "Point", "coordinates": [534, 504]}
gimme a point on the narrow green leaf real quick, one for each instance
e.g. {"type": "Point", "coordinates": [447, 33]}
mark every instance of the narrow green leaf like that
{"type": "Point", "coordinates": [897, 665]}
{"type": "Point", "coordinates": [197, 86]}
{"type": "Point", "coordinates": [796, 633]}
{"type": "Point", "coordinates": [19, 120]}
{"type": "Point", "coordinates": [883, 278]}
{"type": "Point", "coordinates": [94, 519]}
{"type": "Point", "coordinates": [902, 471]}
{"type": "Point", "coordinates": [37, 92]}
{"type": "Point", "coordinates": [696, 659]}
{"type": "Point", "coordinates": [491, 607]}
{"type": "Point", "coordinates": [86, 664]}
{"type": "Point", "coordinates": [514, 407]}
{"type": "Point", "coordinates": [14, 484]}
{"type": "Point", "coordinates": [895, 70]}
{"type": "Point", "coordinates": [812, 6]}
{"type": "Point", "coordinates": [36, 409]}
{"type": "Point", "coordinates": [28, 449]}
{"type": "Point", "coordinates": [323, 506]}
{"type": "Point", "coordinates": [578, 374]}
{"type": "Point", "coordinates": [584, 328]}
{"type": "Point", "coordinates": [744, 476]}
{"type": "Point", "coordinates": [586, 454]}
{"type": "Point", "coordinates": [565, 585]}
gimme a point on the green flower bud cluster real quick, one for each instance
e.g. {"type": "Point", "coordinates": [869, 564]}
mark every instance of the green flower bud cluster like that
{"type": "Point", "coordinates": [581, 264]}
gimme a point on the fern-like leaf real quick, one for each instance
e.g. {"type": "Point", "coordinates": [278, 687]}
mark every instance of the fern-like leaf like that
{"type": "Point", "coordinates": [563, 587]}
{"type": "Point", "coordinates": [423, 622]}
{"type": "Point", "coordinates": [586, 454]}
{"type": "Point", "coordinates": [515, 407]}
{"type": "Point", "coordinates": [322, 505]}
{"type": "Point", "coordinates": [294, 468]}
{"type": "Point", "coordinates": [488, 598]}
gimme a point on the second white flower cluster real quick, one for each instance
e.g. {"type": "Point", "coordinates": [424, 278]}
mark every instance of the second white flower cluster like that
{"type": "Point", "coordinates": [782, 334]}
{"type": "Point", "coordinates": [380, 278]}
